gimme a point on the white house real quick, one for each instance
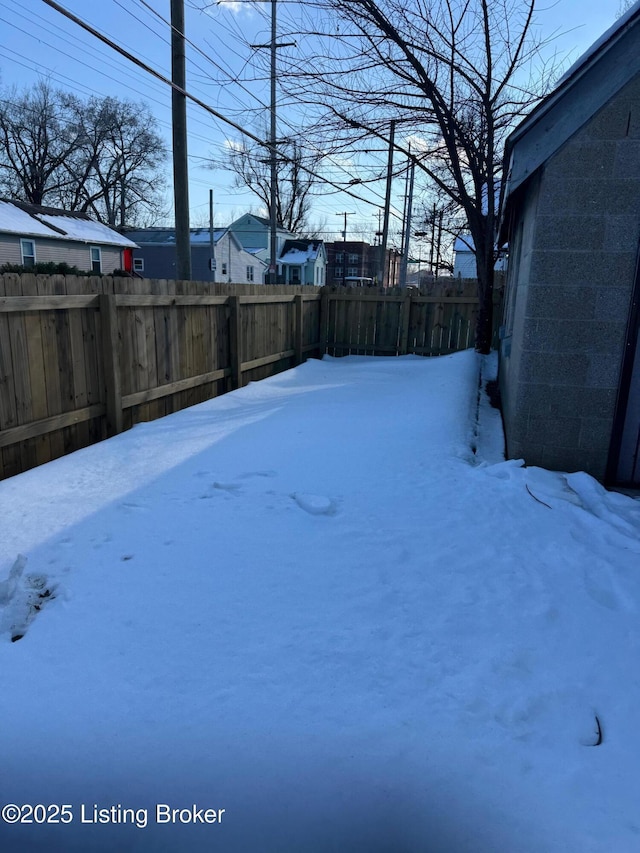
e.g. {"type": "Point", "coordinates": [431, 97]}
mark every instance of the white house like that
{"type": "Point", "coordinates": [31, 234]}
{"type": "Point", "coordinates": [464, 258]}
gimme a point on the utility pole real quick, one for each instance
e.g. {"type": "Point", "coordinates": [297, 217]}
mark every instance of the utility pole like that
{"type": "Point", "coordinates": [273, 223]}
{"type": "Point", "coordinates": [407, 227]}
{"type": "Point", "coordinates": [212, 242]}
{"type": "Point", "coordinates": [272, 274]}
{"type": "Point", "coordinates": [440, 218]}
{"type": "Point", "coordinates": [387, 205]}
{"type": "Point", "coordinates": [179, 124]}
{"type": "Point", "coordinates": [344, 233]}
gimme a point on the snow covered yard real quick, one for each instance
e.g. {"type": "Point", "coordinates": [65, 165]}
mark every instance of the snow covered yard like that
{"type": "Point", "coordinates": [311, 604]}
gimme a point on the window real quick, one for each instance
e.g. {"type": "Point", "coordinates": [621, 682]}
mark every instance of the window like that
{"type": "Point", "coordinates": [96, 259]}
{"type": "Point", "coordinates": [224, 269]}
{"type": "Point", "coordinates": [28, 249]}
{"type": "Point", "coordinates": [138, 265]}
{"type": "Point", "coordinates": [338, 272]}
{"type": "Point", "coordinates": [353, 271]}
{"type": "Point", "coordinates": [339, 257]}
{"type": "Point", "coordinates": [353, 259]}
{"type": "Point", "coordinates": [295, 275]}
{"type": "Point", "coordinates": [249, 273]}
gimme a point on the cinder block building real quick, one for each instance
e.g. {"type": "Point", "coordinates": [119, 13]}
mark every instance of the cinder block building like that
{"type": "Point", "coordinates": [570, 215]}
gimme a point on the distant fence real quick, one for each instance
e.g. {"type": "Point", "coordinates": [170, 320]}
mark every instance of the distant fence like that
{"type": "Point", "coordinates": [432, 321]}
{"type": "Point", "coordinates": [83, 358]}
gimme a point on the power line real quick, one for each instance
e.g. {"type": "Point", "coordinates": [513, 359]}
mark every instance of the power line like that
{"type": "Point", "coordinates": [138, 62]}
{"type": "Point", "coordinates": [234, 79]}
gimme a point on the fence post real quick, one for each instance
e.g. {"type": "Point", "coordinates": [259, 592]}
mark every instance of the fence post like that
{"type": "Point", "coordinates": [298, 318]}
{"type": "Point", "coordinates": [324, 321]}
{"type": "Point", "coordinates": [235, 342]}
{"type": "Point", "coordinates": [111, 360]}
{"type": "Point", "coordinates": [404, 327]}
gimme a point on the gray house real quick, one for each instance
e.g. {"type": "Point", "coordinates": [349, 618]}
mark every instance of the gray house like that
{"type": "Point", "coordinates": [570, 214]}
{"type": "Point", "coordinates": [155, 256]}
{"type": "Point", "coordinates": [31, 234]}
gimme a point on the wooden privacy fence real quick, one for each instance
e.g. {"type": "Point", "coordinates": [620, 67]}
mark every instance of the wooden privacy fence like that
{"type": "Point", "coordinates": [402, 321]}
{"type": "Point", "coordinates": [82, 358]}
{"type": "Point", "coordinates": [76, 367]}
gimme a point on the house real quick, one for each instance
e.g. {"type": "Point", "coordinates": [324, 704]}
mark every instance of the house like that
{"type": "Point", "coordinates": [254, 234]}
{"type": "Point", "coordinates": [155, 256]}
{"type": "Point", "coordinates": [570, 214]}
{"type": "Point", "coordinates": [303, 262]}
{"type": "Point", "coordinates": [464, 258]}
{"type": "Point", "coordinates": [31, 234]}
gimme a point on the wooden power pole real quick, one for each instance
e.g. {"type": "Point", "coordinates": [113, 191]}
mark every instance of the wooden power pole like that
{"type": "Point", "coordinates": [179, 123]}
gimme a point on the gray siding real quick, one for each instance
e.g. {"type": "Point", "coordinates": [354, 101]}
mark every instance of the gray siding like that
{"type": "Point", "coordinates": [571, 272]}
{"type": "Point", "coordinates": [160, 262]}
{"type": "Point", "coordinates": [59, 251]}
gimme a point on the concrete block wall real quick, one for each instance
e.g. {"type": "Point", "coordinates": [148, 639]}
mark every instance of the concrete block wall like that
{"type": "Point", "coordinates": [561, 371]}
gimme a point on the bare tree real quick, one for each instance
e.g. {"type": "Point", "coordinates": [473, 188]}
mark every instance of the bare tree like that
{"type": "Point", "coordinates": [101, 156]}
{"type": "Point", "coordinates": [37, 140]}
{"type": "Point", "coordinates": [294, 184]}
{"type": "Point", "coordinates": [455, 76]}
{"type": "Point", "coordinates": [117, 167]}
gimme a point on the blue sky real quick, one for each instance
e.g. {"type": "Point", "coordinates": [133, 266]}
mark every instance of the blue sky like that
{"type": "Point", "coordinates": [222, 70]}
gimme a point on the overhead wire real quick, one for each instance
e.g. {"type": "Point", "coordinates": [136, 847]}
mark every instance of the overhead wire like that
{"type": "Point", "coordinates": [233, 79]}
{"type": "Point", "coordinates": [132, 58]}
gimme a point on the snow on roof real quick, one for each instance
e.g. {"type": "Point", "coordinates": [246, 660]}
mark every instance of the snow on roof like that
{"type": "Point", "coordinates": [202, 235]}
{"type": "Point", "coordinates": [296, 256]}
{"type": "Point", "coordinates": [32, 221]}
{"type": "Point", "coordinates": [167, 236]}
{"type": "Point", "coordinates": [299, 251]}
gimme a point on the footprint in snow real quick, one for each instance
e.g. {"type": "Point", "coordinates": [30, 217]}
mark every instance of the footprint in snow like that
{"type": "Point", "coordinates": [315, 504]}
{"type": "Point", "coordinates": [251, 474]}
{"type": "Point", "coordinates": [22, 597]}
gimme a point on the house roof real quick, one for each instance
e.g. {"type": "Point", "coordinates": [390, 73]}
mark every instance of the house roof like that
{"type": "Point", "coordinates": [31, 220]}
{"type": "Point", "coordinates": [464, 243]}
{"type": "Point", "coordinates": [608, 65]}
{"type": "Point", "coordinates": [167, 236]}
{"type": "Point", "coordinates": [300, 251]}
{"type": "Point", "coordinates": [263, 221]}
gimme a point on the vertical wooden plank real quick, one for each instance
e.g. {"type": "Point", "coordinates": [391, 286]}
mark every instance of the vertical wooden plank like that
{"type": "Point", "coordinates": [22, 379]}
{"type": "Point", "coordinates": [324, 329]}
{"type": "Point", "coordinates": [379, 328]}
{"type": "Point", "coordinates": [235, 341]}
{"type": "Point", "coordinates": [111, 357]}
{"type": "Point", "coordinates": [404, 323]}
{"type": "Point", "coordinates": [36, 367]}
{"type": "Point", "coordinates": [298, 335]}
{"type": "Point", "coordinates": [10, 456]}
{"type": "Point", "coordinates": [91, 337]}
{"type": "Point", "coordinates": [176, 338]}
